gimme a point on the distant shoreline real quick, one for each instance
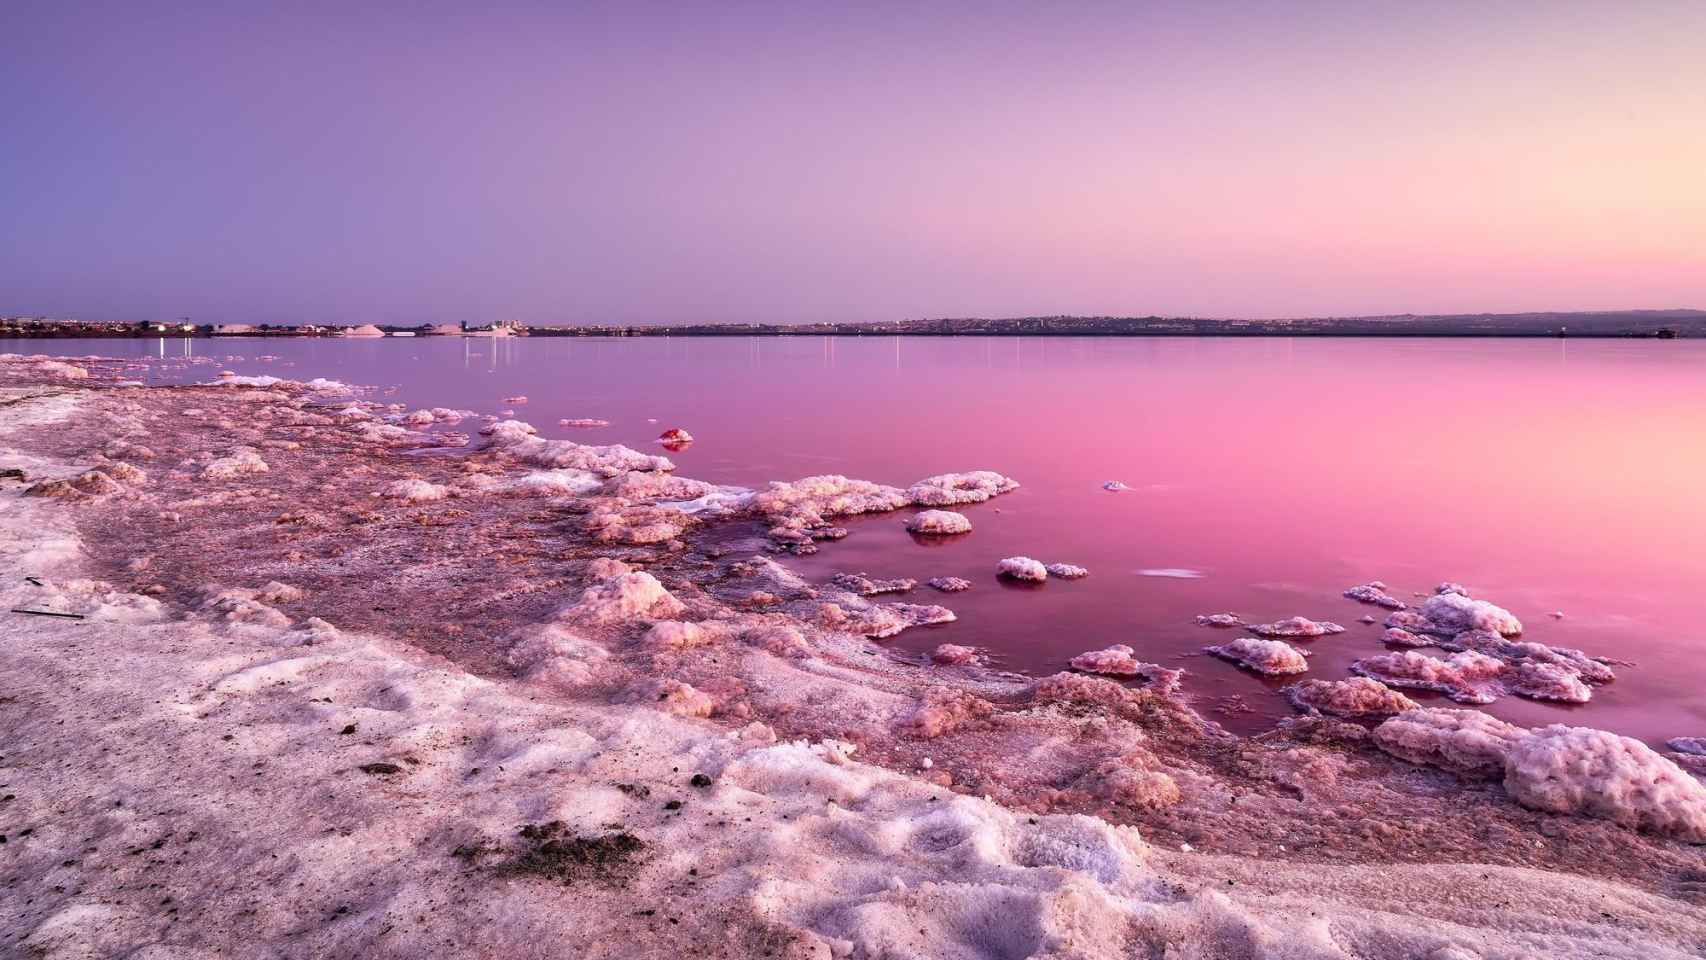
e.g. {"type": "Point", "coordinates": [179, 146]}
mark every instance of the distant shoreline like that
{"type": "Point", "coordinates": [1619, 324]}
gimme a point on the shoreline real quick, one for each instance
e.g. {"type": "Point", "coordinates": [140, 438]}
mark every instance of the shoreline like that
{"type": "Point", "coordinates": [559, 602]}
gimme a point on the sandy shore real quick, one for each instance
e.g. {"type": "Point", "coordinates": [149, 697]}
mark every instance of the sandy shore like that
{"type": "Point", "coordinates": [346, 687]}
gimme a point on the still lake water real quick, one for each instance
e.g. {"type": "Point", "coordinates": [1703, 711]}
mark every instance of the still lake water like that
{"type": "Point", "coordinates": [1546, 475]}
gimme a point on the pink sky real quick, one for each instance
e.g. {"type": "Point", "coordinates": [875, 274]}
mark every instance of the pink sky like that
{"type": "Point", "coordinates": [809, 162]}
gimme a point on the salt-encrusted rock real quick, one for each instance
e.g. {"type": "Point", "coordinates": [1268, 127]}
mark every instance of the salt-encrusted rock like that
{"type": "Point", "coordinates": [864, 586]}
{"type": "Point", "coordinates": [888, 619]}
{"type": "Point", "coordinates": [1466, 741]}
{"type": "Point", "coordinates": [1115, 486]}
{"type": "Point", "coordinates": [1516, 652]}
{"type": "Point", "coordinates": [1271, 657]}
{"type": "Point", "coordinates": [557, 483]}
{"type": "Point", "coordinates": [1117, 661]}
{"type": "Point", "coordinates": [240, 461]}
{"type": "Point", "coordinates": [521, 441]}
{"type": "Point", "coordinates": [1067, 571]}
{"type": "Point", "coordinates": [948, 489]}
{"type": "Point", "coordinates": [1452, 587]}
{"type": "Point", "coordinates": [938, 523]}
{"type": "Point", "coordinates": [795, 509]}
{"type": "Point", "coordinates": [1129, 782]}
{"type": "Point", "coordinates": [1295, 627]}
{"type": "Point", "coordinates": [1453, 613]}
{"type": "Point", "coordinates": [954, 655]}
{"type": "Point", "coordinates": [604, 568]}
{"type": "Point", "coordinates": [628, 596]}
{"type": "Point", "coordinates": [950, 584]}
{"type": "Point", "coordinates": [943, 710]}
{"type": "Point", "coordinates": [415, 491]}
{"type": "Point", "coordinates": [1546, 681]}
{"type": "Point", "coordinates": [1222, 620]}
{"type": "Point", "coordinates": [1376, 594]}
{"type": "Point", "coordinates": [1694, 745]}
{"type": "Point", "coordinates": [1466, 677]}
{"type": "Point", "coordinates": [583, 422]}
{"type": "Point", "coordinates": [1397, 636]}
{"type": "Point", "coordinates": [654, 486]}
{"type": "Point", "coordinates": [1355, 697]}
{"type": "Point", "coordinates": [1413, 622]}
{"type": "Point", "coordinates": [1022, 568]}
{"type": "Point", "coordinates": [677, 635]}
{"type": "Point", "coordinates": [1576, 770]}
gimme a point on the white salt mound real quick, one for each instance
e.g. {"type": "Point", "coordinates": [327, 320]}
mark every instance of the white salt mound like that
{"type": "Point", "coordinates": [1295, 627]}
{"type": "Point", "coordinates": [948, 489]}
{"type": "Point", "coordinates": [1454, 613]}
{"type": "Point", "coordinates": [1271, 657]}
{"type": "Point", "coordinates": [1559, 769]}
{"type": "Point", "coordinates": [415, 491]}
{"type": "Point", "coordinates": [950, 584]}
{"type": "Point", "coordinates": [628, 596]}
{"type": "Point", "coordinates": [1376, 594]}
{"type": "Point", "coordinates": [1022, 568]}
{"type": "Point", "coordinates": [1067, 571]}
{"type": "Point", "coordinates": [1355, 697]}
{"type": "Point", "coordinates": [938, 522]}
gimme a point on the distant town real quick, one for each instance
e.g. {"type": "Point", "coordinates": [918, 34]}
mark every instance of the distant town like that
{"type": "Point", "coordinates": [1660, 324]}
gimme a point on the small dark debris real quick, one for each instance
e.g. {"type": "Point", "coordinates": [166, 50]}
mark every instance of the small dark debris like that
{"type": "Point", "coordinates": [700, 780]}
{"type": "Point", "coordinates": [637, 790]}
{"type": "Point", "coordinates": [380, 768]}
{"type": "Point", "coordinates": [673, 805]}
{"type": "Point", "coordinates": [49, 613]}
{"type": "Point", "coordinates": [554, 853]}
{"type": "Point", "coordinates": [346, 731]}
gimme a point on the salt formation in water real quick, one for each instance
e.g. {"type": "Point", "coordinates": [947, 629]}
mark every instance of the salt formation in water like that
{"type": "Point", "coordinates": [1175, 573]}
{"type": "Point", "coordinates": [1115, 486]}
{"type": "Point", "coordinates": [798, 510]}
{"type": "Point", "coordinates": [1452, 612]}
{"type": "Point", "coordinates": [954, 655]}
{"type": "Point", "coordinates": [1119, 661]}
{"type": "Point", "coordinates": [1295, 627]}
{"type": "Point", "coordinates": [1450, 586]}
{"type": "Point", "coordinates": [866, 587]}
{"type": "Point", "coordinates": [1694, 745]}
{"type": "Point", "coordinates": [675, 435]}
{"type": "Point", "coordinates": [1398, 636]}
{"type": "Point", "coordinates": [1271, 657]}
{"type": "Point", "coordinates": [555, 483]}
{"type": "Point", "coordinates": [948, 489]}
{"type": "Point", "coordinates": [1355, 697]}
{"type": "Point", "coordinates": [950, 584]}
{"type": "Point", "coordinates": [583, 422]}
{"type": "Point", "coordinates": [1466, 677]}
{"type": "Point", "coordinates": [520, 440]}
{"type": "Point", "coordinates": [1222, 620]}
{"type": "Point", "coordinates": [1558, 769]}
{"type": "Point", "coordinates": [1375, 593]}
{"type": "Point", "coordinates": [1022, 568]}
{"type": "Point", "coordinates": [938, 522]}
{"type": "Point", "coordinates": [415, 491]}
{"type": "Point", "coordinates": [1067, 571]}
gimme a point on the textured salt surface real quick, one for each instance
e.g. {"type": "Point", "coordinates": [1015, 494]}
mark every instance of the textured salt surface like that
{"type": "Point", "coordinates": [873, 873]}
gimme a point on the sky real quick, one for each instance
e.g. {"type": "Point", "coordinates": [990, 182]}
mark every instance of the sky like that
{"type": "Point", "coordinates": [802, 162]}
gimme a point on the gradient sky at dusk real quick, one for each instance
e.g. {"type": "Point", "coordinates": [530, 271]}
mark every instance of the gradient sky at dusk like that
{"type": "Point", "coordinates": [778, 162]}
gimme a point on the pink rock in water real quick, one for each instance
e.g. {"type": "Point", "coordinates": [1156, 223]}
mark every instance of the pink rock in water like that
{"type": "Point", "coordinates": [1398, 636]}
{"type": "Point", "coordinates": [1067, 571]}
{"type": "Point", "coordinates": [1117, 660]}
{"type": "Point", "coordinates": [675, 438]}
{"type": "Point", "coordinates": [1454, 613]}
{"type": "Point", "coordinates": [950, 584]}
{"type": "Point", "coordinates": [1466, 677]}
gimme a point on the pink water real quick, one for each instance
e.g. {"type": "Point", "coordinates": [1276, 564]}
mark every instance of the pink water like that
{"type": "Point", "coordinates": [1547, 475]}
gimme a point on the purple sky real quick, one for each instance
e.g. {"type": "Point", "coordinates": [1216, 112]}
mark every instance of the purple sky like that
{"type": "Point", "coordinates": [671, 163]}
